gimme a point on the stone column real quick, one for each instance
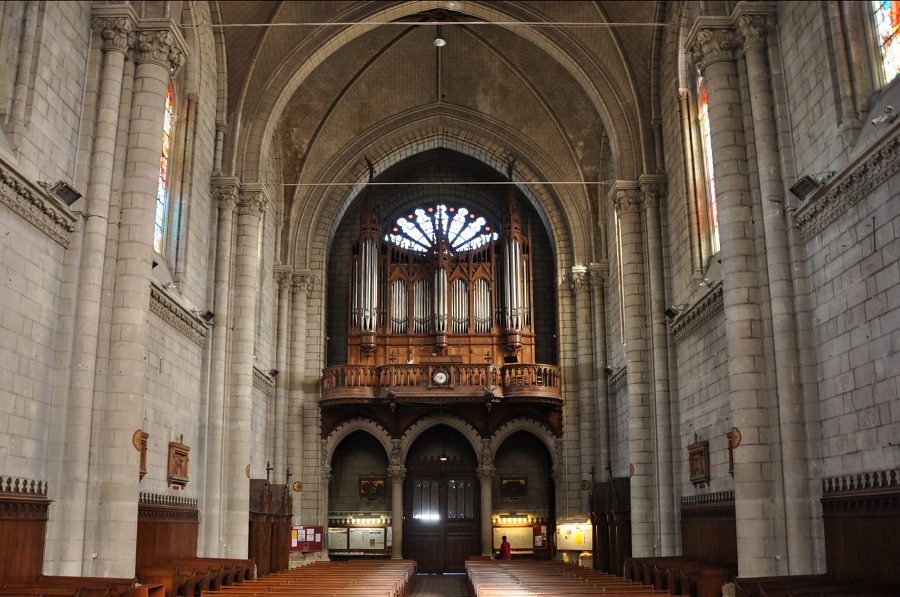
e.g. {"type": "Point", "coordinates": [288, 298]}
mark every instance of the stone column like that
{"type": "Point", "coordinates": [301, 285]}
{"type": "Point", "coordinates": [752, 25]}
{"type": "Point", "coordinates": [246, 279]}
{"type": "Point", "coordinates": [627, 202]}
{"type": "Point", "coordinates": [486, 479]}
{"type": "Point", "coordinates": [652, 186]}
{"type": "Point", "coordinates": [284, 278]}
{"type": "Point", "coordinates": [114, 31]}
{"type": "Point", "coordinates": [397, 475]}
{"type": "Point", "coordinates": [23, 69]}
{"type": "Point", "coordinates": [711, 42]}
{"type": "Point", "coordinates": [580, 283]}
{"type": "Point", "coordinates": [324, 491]}
{"type": "Point", "coordinates": [599, 274]}
{"type": "Point", "coordinates": [157, 53]}
{"type": "Point", "coordinates": [225, 191]}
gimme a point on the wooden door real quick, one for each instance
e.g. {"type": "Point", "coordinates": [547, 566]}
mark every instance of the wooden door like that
{"type": "Point", "coordinates": [441, 526]}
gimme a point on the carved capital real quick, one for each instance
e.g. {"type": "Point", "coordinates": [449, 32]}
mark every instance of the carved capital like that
{"type": "Point", "coordinates": [652, 187]}
{"type": "Point", "coordinates": [578, 278]}
{"type": "Point", "coordinates": [304, 281]}
{"type": "Point", "coordinates": [711, 44]}
{"type": "Point", "coordinates": [225, 191]}
{"type": "Point", "coordinates": [625, 200]}
{"type": "Point", "coordinates": [487, 456]}
{"type": "Point", "coordinates": [396, 473]}
{"type": "Point", "coordinates": [115, 32]}
{"type": "Point", "coordinates": [253, 201]}
{"type": "Point", "coordinates": [284, 277]}
{"type": "Point", "coordinates": [753, 31]}
{"type": "Point", "coordinates": [599, 273]}
{"type": "Point", "coordinates": [159, 46]}
{"type": "Point", "coordinates": [486, 474]}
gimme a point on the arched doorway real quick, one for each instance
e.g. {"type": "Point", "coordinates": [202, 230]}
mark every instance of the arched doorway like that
{"type": "Point", "coordinates": [441, 501]}
{"type": "Point", "coordinates": [523, 495]}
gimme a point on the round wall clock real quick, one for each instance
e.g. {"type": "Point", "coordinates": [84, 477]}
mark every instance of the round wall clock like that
{"type": "Point", "coordinates": [440, 377]}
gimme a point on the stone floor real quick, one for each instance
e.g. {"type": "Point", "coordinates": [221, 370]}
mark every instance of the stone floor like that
{"type": "Point", "coordinates": [447, 585]}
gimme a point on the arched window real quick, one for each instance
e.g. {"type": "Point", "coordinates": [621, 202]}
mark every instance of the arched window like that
{"type": "Point", "coordinates": [620, 272]}
{"type": "Point", "coordinates": [712, 209]}
{"type": "Point", "coordinates": [161, 220]}
{"type": "Point", "coordinates": [887, 25]}
{"type": "Point", "coordinates": [418, 230]}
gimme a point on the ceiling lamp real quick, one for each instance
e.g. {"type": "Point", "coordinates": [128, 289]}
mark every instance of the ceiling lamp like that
{"type": "Point", "coordinates": [440, 42]}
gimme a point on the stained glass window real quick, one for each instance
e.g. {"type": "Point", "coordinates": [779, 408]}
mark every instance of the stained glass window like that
{"type": "Point", "coordinates": [887, 21]}
{"type": "Point", "coordinates": [706, 150]}
{"type": "Point", "coordinates": [162, 186]}
{"type": "Point", "coordinates": [463, 229]}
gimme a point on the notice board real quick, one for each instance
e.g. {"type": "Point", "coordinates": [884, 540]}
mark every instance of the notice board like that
{"type": "Point", "coordinates": [520, 538]}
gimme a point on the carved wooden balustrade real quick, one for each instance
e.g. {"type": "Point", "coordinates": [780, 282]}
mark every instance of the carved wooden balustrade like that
{"type": "Point", "coordinates": [463, 382]}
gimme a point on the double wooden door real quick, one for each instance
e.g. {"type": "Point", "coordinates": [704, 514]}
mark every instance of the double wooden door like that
{"type": "Point", "coordinates": [441, 520]}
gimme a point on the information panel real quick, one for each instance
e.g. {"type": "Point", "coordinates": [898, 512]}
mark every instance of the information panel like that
{"type": "Point", "coordinates": [366, 538]}
{"type": "Point", "coordinates": [337, 538]}
{"type": "Point", "coordinates": [520, 538]}
{"type": "Point", "coordinates": [574, 537]}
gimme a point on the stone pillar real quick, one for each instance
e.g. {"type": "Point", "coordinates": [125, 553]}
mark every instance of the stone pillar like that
{"type": "Point", "coordinates": [486, 479]}
{"type": "Point", "coordinates": [627, 202]}
{"type": "Point", "coordinates": [23, 69]}
{"type": "Point", "coordinates": [599, 274]}
{"type": "Point", "coordinates": [157, 53]}
{"type": "Point", "coordinates": [225, 191]}
{"type": "Point", "coordinates": [711, 42]}
{"type": "Point", "coordinates": [114, 31]}
{"type": "Point", "coordinates": [580, 283]}
{"type": "Point", "coordinates": [752, 25]}
{"type": "Point", "coordinates": [652, 186]}
{"type": "Point", "coordinates": [284, 278]}
{"type": "Point", "coordinates": [301, 285]}
{"type": "Point", "coordinates": [246, 279]}
{"type": "Point", "coordinates": [397, 475]}
{"type": "Point", "coordinates": [324, 491]}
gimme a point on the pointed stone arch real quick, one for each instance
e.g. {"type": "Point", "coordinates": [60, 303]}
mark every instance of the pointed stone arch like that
{"type": "Point", "coordinates": [343, 430]}
{"type": "Point", "coordinates": [541, 432]}
{"type": "Point", "coordinates": [427, 422]}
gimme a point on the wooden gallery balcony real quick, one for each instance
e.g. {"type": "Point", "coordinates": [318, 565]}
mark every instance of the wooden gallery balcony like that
{"type": "Point", "coordinates": [442, 383]}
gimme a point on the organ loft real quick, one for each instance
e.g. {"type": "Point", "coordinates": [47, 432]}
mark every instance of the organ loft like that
{"type": "Point", "coordinates": [442, 297]}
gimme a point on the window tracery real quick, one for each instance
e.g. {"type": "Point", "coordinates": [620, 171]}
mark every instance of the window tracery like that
{"type": "Point", "coordinates": [160, 222]}
{"type": "Point", "coordinates": [463, 229]}
{"type": "Point", "coordinates": [887, 24]}
{"type": "Point", "coordinates": [712, 208]}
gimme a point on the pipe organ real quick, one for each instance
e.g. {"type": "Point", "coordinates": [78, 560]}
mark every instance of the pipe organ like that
{"type": "Point", "coordinates": [440, 286]}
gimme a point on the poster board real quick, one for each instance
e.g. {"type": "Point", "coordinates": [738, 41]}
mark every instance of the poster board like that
{"type": "Point", "coordinates": [306, 538]}
{"type": "Point", "coordinates": [520, 538]}
{"type": "Point", "coordinates": [366, 538]}
{"type": "Point", "coordinates": [574, 537]}
{"type": "Point", "coordinates": [337, 538]}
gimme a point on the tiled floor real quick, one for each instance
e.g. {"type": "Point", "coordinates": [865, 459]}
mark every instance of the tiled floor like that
{"type": "Point", "coordinates": [447, 585]}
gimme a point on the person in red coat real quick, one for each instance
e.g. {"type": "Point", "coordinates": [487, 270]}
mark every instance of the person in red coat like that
{"type": "Point", "coordinates": [505, 549]}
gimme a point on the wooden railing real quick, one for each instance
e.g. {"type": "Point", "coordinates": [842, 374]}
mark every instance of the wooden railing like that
{"type": "Point", "coordinates": [507, 381]}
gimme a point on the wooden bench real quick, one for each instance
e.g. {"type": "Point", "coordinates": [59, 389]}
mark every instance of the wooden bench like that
{"type": "Point", "coordinates": [77, 586]}
{"type": "Point", "coordinates": [809, 585]}
{"type": "Point", "coordinates": [526, 578]}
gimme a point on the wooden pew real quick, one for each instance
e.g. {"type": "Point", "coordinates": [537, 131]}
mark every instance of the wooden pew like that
{"type": "Point", "coordinates": [495, 579]}
{"type": "Point", "coordinates": [82, 587]}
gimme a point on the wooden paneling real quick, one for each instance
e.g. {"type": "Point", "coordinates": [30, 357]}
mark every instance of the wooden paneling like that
{"type": "Point", "coordinates": [610, 505]}
{"type": "Point", "coordinates": [167, 529]}
{"type": "Point", "coordinates": [862, 525]}
{"type": "Point", "coordinates": [23, 526]}
{"type": "Point", "coordinates": [708, 530]}
{"type": "Point", "coordinates": [270, 526]}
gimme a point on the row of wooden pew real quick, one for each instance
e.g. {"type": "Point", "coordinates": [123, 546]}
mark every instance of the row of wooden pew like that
{"type": "Point", "coordinates": [79, 586]}
{"type": "Point", "coordinates": [186, 577]}
{"type": "Point", "coordinates": [523, 578]}
{"type": "Point", "coordinates": [367, 578]}
{"type": "Point", "coordinates": [815, 585]}
{"type": "Point", "coordinates": [679, 575]}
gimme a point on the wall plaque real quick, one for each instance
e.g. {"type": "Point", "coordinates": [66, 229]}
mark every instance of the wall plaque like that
{"type": "Point", "coordinates": [177, 471]}
{"type": "Point", "coordinates": [698, 462]}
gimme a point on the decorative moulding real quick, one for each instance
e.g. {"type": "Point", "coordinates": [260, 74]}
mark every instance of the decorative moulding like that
{"type": "Point", "coordinates": [709, 305]}
{"type": "Point", "coordinates": [35, 205]}
{"type": "Point", "coordinates": [618, 377]}
{"type": "Point", "coordinates": [262, 381]}
{"type": "Point", "coordinates": [23, 499]}
{"type": "Point", "coordinates": [173, 313]}
{"type": "Point", "coordinates": [849, 186]}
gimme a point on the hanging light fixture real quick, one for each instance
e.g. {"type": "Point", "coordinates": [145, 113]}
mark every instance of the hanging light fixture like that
{"type": "Point", "coordinates": [439, 42]}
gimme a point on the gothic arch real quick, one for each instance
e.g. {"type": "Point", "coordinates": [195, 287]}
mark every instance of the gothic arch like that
{"type": "Point", "coordinates": [246, 151]}
{"type": "Point", "coordinates": [531, 426]}
{"type": "Point", "coordinates": [346, 428]}
{"type": "Point", "coordinates": [454, 422]}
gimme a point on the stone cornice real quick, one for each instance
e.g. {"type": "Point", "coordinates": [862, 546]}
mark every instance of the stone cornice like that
{"type": "Point", "coordinates": [35, 205]}
{"type": "Point", "coordinates": [852, 184]}
{"type": "Point", "coordinates": [617, 378]}
{"type": "Point", "coordinates": [699, 313]}
{"type": "Point", "coordinates": [712, 39]}
{"type": "Point", "coordinates": [180, 318]}
{"type": "Point", "coordinates": [262, 381]}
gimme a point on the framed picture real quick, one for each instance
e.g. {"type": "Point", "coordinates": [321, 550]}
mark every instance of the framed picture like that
{"type": "Point", "coordinates": [177, 470]}
{"type": "Point", "coordinates": [513, 487]}
{"type": "Point", "coordinates": [698, 462]}
{"type": "Point", "coordinates": [371, 487]}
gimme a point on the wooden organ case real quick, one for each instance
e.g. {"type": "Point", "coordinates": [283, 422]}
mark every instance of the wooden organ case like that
{"type": "Point", "coordinates": [441, 310]}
